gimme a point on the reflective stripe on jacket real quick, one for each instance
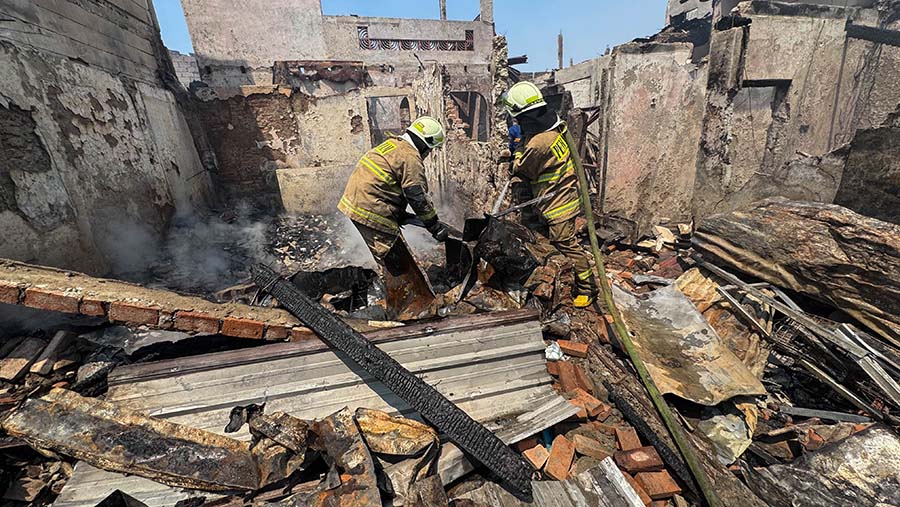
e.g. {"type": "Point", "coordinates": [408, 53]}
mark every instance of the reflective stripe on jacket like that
{"type": "Point", "coordinates": [546, 162]}
{"type": "Point", "coordinates": [374, 195]}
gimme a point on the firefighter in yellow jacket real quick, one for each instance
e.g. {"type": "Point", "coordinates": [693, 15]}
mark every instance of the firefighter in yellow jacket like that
{"type": "Point", "coordinates": [387, 179]}
{"type": "Point", "coordinates": [546, 162]}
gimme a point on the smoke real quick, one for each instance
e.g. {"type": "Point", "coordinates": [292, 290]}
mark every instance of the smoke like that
{"type": "Point", "coordinates": [349, 247]}
{"type": "Point", "coordinates": [450, 211]}
{"type": "Point", "coordinates": [197, 254]}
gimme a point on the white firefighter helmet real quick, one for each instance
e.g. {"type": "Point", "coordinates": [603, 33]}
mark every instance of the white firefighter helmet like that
{"type": "Point", "coordinates": [523, 96]}
{"type": "Point", "coordinates": [429, 130]}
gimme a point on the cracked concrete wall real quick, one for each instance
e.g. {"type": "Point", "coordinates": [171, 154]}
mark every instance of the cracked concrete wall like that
{"type": "Point", "coordinates": [652, 101]}
{"type": "Point", "coordinates": [654, 119]}
{"type": "Point", "coordinates": [94, 150]}
{"type": "Point", "coordinates": [584, 80]}
{"type": "Point", "coordinates": [284, 30]}
{"type": "Point", "coordinates": [783, 94]}
{"type": "Point", "coordinates": [686, 10]}
{"type": "Point", "coordinates": [186, 68]}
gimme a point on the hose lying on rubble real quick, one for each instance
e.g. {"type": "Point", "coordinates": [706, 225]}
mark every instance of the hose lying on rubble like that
{"type": "Point", "coordinates": [712, 499]}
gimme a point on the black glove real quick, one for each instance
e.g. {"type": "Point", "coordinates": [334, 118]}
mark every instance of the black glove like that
{"type": "Point", "coordinates": [439, 231]}
{"type": "Point", "coordinates": [405, 217]}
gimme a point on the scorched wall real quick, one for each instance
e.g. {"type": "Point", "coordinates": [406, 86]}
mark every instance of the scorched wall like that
{"type": "Point", "coordinates": [94, 150]}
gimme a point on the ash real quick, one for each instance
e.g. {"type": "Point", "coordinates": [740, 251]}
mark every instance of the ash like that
{"type": "Point", "coordinates": [309, 242]}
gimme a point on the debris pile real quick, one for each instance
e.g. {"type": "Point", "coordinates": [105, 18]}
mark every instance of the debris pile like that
{"type": "Point", "coordinates": [770, 381]}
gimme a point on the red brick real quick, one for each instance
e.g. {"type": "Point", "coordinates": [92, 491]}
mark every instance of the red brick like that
{"type": "Point", "coordinates": [562, 453]}
{"type": "Point", "coordinates": [645, 459]}
{"type": "Point", "coordinates": [659, 503]}
{"type": "Point", "coordinates": [51, 300]}
{"type": "Point", "coordinates": [574, 349]}
{"type": "Point", "coordinates": [553, 368]}
{"type": "Point", "coordinates": [9, 293]}
{"type": "Point", "coordinates": [658, 485]}
{"type": "Point", "coordinates": [526, 444]}
{"type": "Point", "coordinates": [604, 428]}
{"type": "Point", "coordinates": [536, 456]}
{"type": "Point", "coordinates": [603, 412]}
{"type": "Point", "coordinates": [196, 322]}
{"type": "Point", "coordinates": [584, 382]}
{"type": "Point", "coordinates": [242, 328]}
{"type": "Point", "coordinates": [603, 332]}
{"type": "Point", "coordinates": [299, 334]}
{"type": "Point", "coordinates": [133, 313]}
{"type": "Point", "coordinates": [587, 446]}
{"type": "Point", "coordinates": [567, 377]}
{"type": "Point", "coordinates": [814, 441]}
{"type": "Point", "coordinates": [93, 307]}
{"type": "Point", "coordinates": [627, 439]}
{"type": "Point", "coordinates": [593, 405]}
{"type": "Point", "coordinates": [582, 413]}
{"type": "Point", "coordinates": [638, 489]}
{"type": "Point", "coordinates": [277, 333]}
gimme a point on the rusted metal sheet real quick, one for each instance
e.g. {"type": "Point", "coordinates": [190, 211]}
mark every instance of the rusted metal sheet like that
{"type": "Point", "coordinates": [113, 439]}
{"type": "Point", "coordinates": [684, 355]}
{"type": "Point", "coordinates": [470, 435]}
{"type": "Point", "coordinates": [409, 294]}
{"type": "Point", "coordinates": [285, 430]}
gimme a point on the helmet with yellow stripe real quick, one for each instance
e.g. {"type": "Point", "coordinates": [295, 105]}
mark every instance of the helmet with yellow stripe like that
{"type": "Point", "coordinates": [522, 97]}
{"type": "Point", "coordinates": [428, 130]}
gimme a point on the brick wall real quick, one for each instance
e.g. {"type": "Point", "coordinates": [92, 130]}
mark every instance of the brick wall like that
{"type": "Point", "coordinates": [185, 67]}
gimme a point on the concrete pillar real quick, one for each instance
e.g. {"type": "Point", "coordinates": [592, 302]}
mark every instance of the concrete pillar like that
{"type": "Point", "coordinates": [443, 10]}
{"type": "Point", "coordinates": [487, 11]}
{"type": "Point", "coordinates": [559, 42]}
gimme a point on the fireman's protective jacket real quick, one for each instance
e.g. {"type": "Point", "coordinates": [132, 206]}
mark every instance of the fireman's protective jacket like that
{"type": "Point", "coordinates": [547, 164]}
{"type": "Point", "coordinates": [385, 180]}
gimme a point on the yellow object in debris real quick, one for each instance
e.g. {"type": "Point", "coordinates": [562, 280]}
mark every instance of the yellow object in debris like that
{"type": "Point", "coordinates": [583, 301]}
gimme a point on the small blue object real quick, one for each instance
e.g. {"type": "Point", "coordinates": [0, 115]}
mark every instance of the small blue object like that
{"type": "Point", "coordinates": [547, 437]}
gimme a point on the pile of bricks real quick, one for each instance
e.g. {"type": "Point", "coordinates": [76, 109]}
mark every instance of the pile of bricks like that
{"type": "Point", "coordinates": [595, 433]}
{"type": "Point", "coordinates": [123, 303]}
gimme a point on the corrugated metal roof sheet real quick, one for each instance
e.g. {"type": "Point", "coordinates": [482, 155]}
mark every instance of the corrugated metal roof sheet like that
{"type": "Point", "coordinates": [491, 366]}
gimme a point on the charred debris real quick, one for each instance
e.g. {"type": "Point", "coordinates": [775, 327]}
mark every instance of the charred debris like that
{"type": "Point", "coordinates": [742, 167]}
{"type": "Point", "coordinates": [774, 368]}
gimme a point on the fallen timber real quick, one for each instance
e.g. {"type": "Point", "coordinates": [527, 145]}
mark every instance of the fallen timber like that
{"type": "Point", "coordinates": [824, 251]}
{"type": "Point", "coordinates": [106, 436]}
{"type": "Point", "coordinates": [471, 436]}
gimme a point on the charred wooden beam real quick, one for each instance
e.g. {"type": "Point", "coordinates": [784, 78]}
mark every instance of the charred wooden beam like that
{"type": "Point", "coordinates": [471, 436]}
{"type": "Point", "coordinates": [872, 34]}
{"type": "Point", "coordinates": [122, 441]}
{"type": "Point", "coordinates": [824, 251]}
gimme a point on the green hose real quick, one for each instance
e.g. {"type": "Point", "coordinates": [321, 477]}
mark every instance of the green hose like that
{"type": "Point", "coordinates": [712, 499]}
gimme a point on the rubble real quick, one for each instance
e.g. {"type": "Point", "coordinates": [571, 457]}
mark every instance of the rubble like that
{"type": "Point", "coordinates": [771, 326]}
{"type": "Point", "coordinates": [106, 436]}
{"type": "Point", "coordinates": [860, 470]}
{"type": "Point", "coordinates": [464, 431]}
{"type": "Point", "coordinates": [826, 252]}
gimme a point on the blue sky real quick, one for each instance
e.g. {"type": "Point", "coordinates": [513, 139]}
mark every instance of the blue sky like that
{"type": "Point", "coordinates": [531, 26]}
